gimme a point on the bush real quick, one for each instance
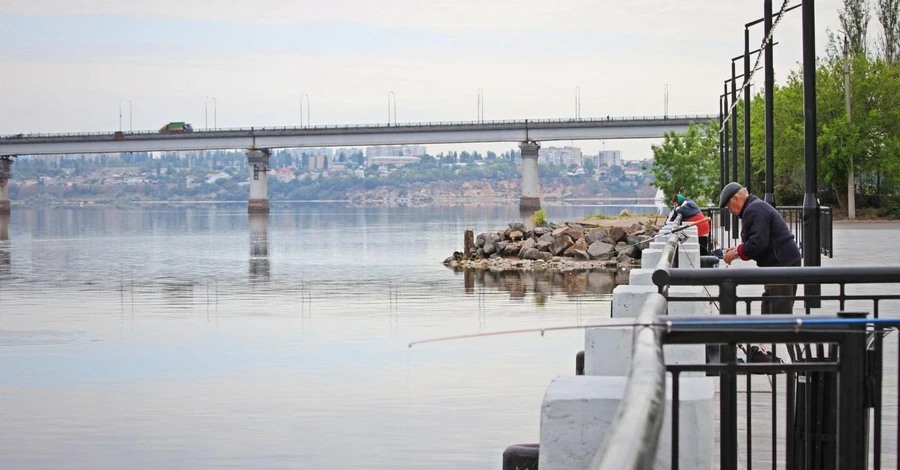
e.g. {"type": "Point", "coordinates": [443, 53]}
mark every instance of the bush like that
{"type": "Point", "coordinates": [539, 218]}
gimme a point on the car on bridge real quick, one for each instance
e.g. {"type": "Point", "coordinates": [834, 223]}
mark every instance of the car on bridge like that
{"type": "Point", "coordinates": [176, 127]}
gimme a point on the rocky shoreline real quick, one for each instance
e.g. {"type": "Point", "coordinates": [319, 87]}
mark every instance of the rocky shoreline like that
{"type": "Point", "coordinates": [568, 246]}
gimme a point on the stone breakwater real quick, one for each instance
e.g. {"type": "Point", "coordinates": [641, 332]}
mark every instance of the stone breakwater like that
{"type": "Point", "coordinates": [564, 247]}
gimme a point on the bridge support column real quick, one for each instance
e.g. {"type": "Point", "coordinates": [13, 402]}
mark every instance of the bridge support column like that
{"type": "Point", "coordinates": [258, 161]}
{"type": "Point", "coordinates": [5, 173]}
{"type": "Point", "coordinates": [531, 196]}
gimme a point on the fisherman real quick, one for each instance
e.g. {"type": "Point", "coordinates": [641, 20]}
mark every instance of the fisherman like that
{"type": "Point", "coordinates": [690, 212]}
{"type": "Point", "coordinates": [766, 239]}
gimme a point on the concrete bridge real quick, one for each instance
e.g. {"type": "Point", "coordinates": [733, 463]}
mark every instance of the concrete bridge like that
{"type": "Point", "coordinates": [259, 141]}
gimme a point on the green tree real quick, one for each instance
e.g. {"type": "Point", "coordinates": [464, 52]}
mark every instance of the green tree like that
{"type": "Point", "coordinates": [688, 162]}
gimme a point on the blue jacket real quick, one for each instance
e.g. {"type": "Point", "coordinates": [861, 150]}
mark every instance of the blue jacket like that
{"type": "Point", "coordinates": [765, 236]}
{"type": "Point", "coordinates": [687, 209]}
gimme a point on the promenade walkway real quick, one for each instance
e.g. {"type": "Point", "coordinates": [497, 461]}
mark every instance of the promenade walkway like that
{"type": "Point", "coordinates": [856, 244]}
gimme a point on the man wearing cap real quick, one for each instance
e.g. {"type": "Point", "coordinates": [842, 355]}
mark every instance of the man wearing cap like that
{"type": "Point", "coordinates": [766, 239]}
{"type": "Point", "coordinates": [690, 212]}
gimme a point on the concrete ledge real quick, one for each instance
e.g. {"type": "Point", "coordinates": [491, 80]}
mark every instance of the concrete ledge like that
{"type": "Point", "coordinates": [640, 277]}
{"type": "Point", "coordinates": [629, 299]}
{"type": "Point", "coordinates": [607, 352]}
{"type": "Point", "coordinates": [578, 411]}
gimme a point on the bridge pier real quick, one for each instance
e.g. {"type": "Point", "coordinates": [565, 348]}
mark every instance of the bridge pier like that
{"type": "Point", "coordinates": [531, 196]}
{"type": "Point", "coordinates": [258, 161]}
{"type": "Point", "coordinates": [5, 173]}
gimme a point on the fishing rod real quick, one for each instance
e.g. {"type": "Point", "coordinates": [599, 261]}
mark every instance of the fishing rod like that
{"type": "Point", "coordinates": [670, 232]}
{"type": "Point", "coordinates": [795, 325]}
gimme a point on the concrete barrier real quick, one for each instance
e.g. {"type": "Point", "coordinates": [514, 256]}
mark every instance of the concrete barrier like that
{"type": "Point", "coordinates": [577, 412]}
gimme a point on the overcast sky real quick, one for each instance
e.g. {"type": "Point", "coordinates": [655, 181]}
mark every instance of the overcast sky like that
{"type": "Point", "coordinates": [68, 65]}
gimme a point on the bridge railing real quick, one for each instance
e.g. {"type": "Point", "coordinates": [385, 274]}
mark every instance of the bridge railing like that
{"type": "Point", "coordinates": [698, 118]}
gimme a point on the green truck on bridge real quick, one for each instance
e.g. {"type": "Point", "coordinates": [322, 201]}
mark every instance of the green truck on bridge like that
{"type": "Point", "coordinates": [174, 127]}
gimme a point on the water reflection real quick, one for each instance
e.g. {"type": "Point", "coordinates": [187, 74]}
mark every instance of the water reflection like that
{"type": "Point", "coordinates": [259, 247]}
{"type": "Point", "coordinates": [544, 283]}
{"type": "Point", "coordinates": [5, 246]}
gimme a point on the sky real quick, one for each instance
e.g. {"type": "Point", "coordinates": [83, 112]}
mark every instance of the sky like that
{"type": "Point", "coordinates": [69, 66]}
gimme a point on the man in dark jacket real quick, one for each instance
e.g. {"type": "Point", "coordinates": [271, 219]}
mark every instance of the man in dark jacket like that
{"type": "Point", "coordinates": [766, 239]}
{"type": "Point", "coordinates": [690, 212]}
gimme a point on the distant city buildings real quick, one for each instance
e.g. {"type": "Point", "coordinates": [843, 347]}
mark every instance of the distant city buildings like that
{"type": "Point", "coordinates": [564, 156]}
{"type": "Point", "coordinates": [395, 151]}
{"type": "Point", "coordinates": [397, 161]}
{"type": "Point", "coordinates": [610, 157]}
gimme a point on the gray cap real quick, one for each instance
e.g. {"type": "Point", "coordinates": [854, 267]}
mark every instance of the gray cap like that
{"type": "Point", "coordinates": [728, 192]}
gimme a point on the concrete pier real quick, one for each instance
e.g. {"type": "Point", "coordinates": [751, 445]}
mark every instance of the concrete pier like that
{"type": "Point", "coordinates": [5, 173]}
{"type": "Point", "coordinates": [258, 161]}
{"type": "Point", "coordinates": [531, 196]}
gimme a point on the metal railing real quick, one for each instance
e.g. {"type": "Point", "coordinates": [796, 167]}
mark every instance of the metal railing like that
{"type": "Point", "coordinates": [634, 437]}
{"type": "Point", "coordinates": [725, 228]}
{"type": "Point", "coordinates": [834, 373]}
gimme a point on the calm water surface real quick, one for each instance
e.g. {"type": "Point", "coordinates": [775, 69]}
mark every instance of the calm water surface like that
{"type": "Point", "coordinates": [194, 338]}
{"type": "Point", "coordinates": [199, 338]}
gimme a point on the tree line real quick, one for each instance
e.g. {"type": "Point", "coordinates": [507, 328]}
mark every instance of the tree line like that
{"type": "Point", "coordinates": [859, 148]}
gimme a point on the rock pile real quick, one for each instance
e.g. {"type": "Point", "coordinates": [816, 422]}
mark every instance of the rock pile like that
{"type": "Point", "coordinates": [566, 246]}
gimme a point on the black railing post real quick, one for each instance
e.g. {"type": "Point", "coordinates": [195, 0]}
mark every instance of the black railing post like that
{"type": "Point", "coordinates": [747, 109]}
{"type": "Point", "coordinates": [811, 250]}
{"type": "Point", "coordinates": [769, 90]}
{"type": "Point", "coordinates": [722, 180]}
{"type": "Point", "coordinates": [734, 144]}
{"type": "Point", "coordinates": [852, 451]}
{"type": "Point", "coordinates": [726, 221]}
{"type": "Point", "coordinates": [728, 409]}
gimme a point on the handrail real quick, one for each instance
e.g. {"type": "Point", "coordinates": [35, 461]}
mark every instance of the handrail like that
{"type": "Point", "coordinates": [783, 275]}
{"type": "Point", "coordinates": [633, 442]}
{"type": "Point", "coordinates": [636, 428]}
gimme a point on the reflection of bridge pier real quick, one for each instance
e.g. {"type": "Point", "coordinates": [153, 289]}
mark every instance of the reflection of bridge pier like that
{"type": "Point", "coordinates": [258, 161]}
{"type": "Point", "coordinates": [5, 173]}
{"type": "Point", "coordinates": [259, 246]}
{"type": "Point", "coordinates": [5, 254]}
{"type": "Point", "coordinates": [531, 196]}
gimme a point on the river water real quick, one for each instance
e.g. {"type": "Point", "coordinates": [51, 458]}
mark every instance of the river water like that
{"type": "Point", "coordinates": [196, 338]}
{"type": "Point", "coordinates": [201, 337]}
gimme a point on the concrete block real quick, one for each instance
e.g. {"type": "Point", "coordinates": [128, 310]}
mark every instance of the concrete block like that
{"type": "Point", "coordinates": [628, 300]}
{"type": "Point", "coordinates": [658, 245]}
{"type": "Point", "coordinates": [578, 411]}
{"type": "Point", "coordinates": [689, 307]}
{"type": "Point", "coordinates": [691, 234]}
{"type": "Point", "coordinates": [640, 277]}
{"type": "Point", "coordinates": [649, 258]}
{"type": "Point", "coordinates": [689, 256]}
{"type": "Point", "coordinates": [607, 351]}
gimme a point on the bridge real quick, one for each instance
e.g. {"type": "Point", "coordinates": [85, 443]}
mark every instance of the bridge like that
{"type": "Point", "coordinates": [259, 141]}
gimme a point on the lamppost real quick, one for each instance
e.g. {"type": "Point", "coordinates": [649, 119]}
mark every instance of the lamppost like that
{"type": "Point", "coordinates": [577, 102]}
{"type": "Point", "coordinates": [215, 114]}
{"type": "Point", "coordinates": [391, 94]}
{"type": "Point", "coordinates": [769, 90]}
{"type": "Point", "coordinates": [120, 115]}
{"type": "Point", "coordinates": [206, 113]}
{"type": "Point", "coordinates": [301, 109]}
{"type": "Point", "coordinates": [130, 117]}
{"type": "Point", "coordinates": [480, 105]}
